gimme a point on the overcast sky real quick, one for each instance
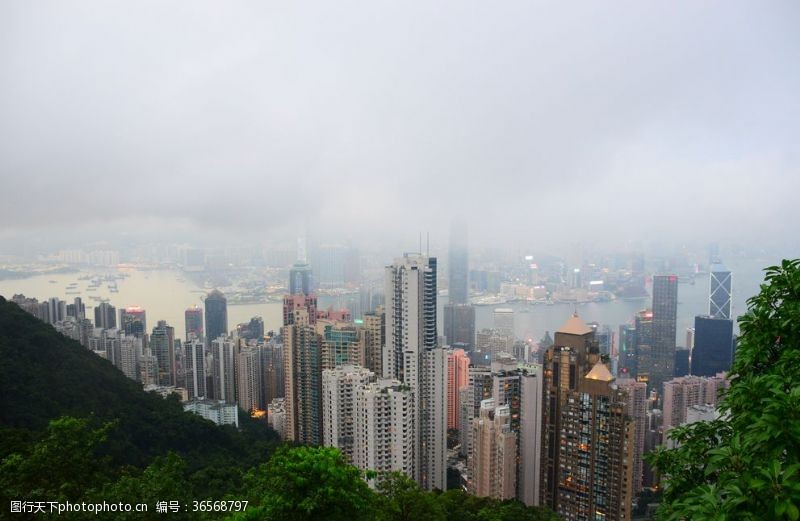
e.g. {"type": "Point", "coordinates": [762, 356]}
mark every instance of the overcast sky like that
{"type": "Point", "coordinates": [373, 119]}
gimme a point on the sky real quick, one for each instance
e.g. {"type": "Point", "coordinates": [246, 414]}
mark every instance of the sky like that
{"type": "Point", "coordinates": [533, 122]}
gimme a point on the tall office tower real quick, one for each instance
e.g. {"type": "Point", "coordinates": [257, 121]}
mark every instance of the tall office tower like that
{"type": "Point", "coordinates": [194, 368]}
{"type": "Point", "coordinates": [719, 291]}
{"type": "Point", "coordinates": [162, 346]}
{"type": "Point", "coordinates": [665, 319]}
{"type": "Point", "coordinates": [339, 408]}
{"type": "Point", "coordinates": [272, 381]}
{"type": "Point", "coordinates": [479, 388]}
{"type": "Point", "coordinates": [292, 303]}
{"type": "Point", "coordinates": [689, 338]}
{"type": "Point", "coordinates": [223, 370]}
{"type": "Point", "coordinates": [530, 433]}
{"type": "Point", "coordinates": [194, 322]}
{"type": "Point", "coordinates": [216, 316]}
{"type": "Point", "coordinates": [302, 362]}
{"type": "Point", "coordinates": [604, 337]}
{"type": "Point", "coordinates": [342, 344]}
{"type": "Point", "coordinates": [504, 321]}
{"type": "Point", "coordinates": [459, 325]}
{"type": "Point", "coordinates": [374, 328]}
{"type": "Point", "coordinates": [300, 279]}
{"type": "Point", "coordinates": [682, 361]}
{"type": "Point", "coordinates": [458, 269]}
{"type": "Point", "coordinates": [413, 357]}
{"type": "Point", "coordinates": [682, 393]}
{"type": "Point", "coordinates": [127, 359]}
{"type": "Point", "coordinates": [248, 379]}
{"type": "Point", "coordinates": [713, 346]}
{"type": "Point", "coordinates": [493, 342]}
{"type": "Point", "coordinates": [636, 408]}
{"type": "Point", "coordinates": [105, 316]}
{"type": "Point", "coordinates": [587, 438]}
{"type": "Point", "coordinates": [457, 379]}
{"type": "Point", "coordinates": [148, 368]}
{"type": "Point", "coordinates": [494, 455]}
{"type": "Point", "coordinates": [133, 321]}
{"type": "Point", "coordinates": [384, 428]}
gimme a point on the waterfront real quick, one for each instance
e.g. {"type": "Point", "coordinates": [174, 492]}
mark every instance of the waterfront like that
{"type": "Point", "coordinates": [165, 294]}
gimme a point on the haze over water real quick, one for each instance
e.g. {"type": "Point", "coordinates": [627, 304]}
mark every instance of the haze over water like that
{"type": "Point", "coordinates": [166, 294]}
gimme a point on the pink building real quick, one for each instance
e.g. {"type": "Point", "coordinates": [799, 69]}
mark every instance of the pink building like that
{"type": "Point", "coordinates": [457, 379]}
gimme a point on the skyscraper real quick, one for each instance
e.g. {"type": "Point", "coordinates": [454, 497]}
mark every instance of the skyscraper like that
{"type": "Point", "coordinates": [413, 357]}
{"type": "Point", "coordinates": [374, 329]}
{"type": "Point", "coordinates": [339, 388]}
{"type": "Point", "coordinates": [291, 303]}
{"type": "Point", "coordinates": [105, 316]}
{"type": "Point", "coordinates": [302, 359]}
{"type": "Point", "coordinates": [665, 318]}
{"type": "Point", "coordinates": [459, 265]}
{"type": "Point", "coordinates": [194, 368]}
{"type": "Point", "coordinates": [300, 279]}
{"type": "Point", "coordinates": [223, 370]}
{"type": "Point", "coordinates": [457, 379]}
{"type": "Point", "coordinates": [636, 408]}
{"type": "Point", "coordinates": [248, 379]}
{"type": "Point", "coordinates": [494, 457]}
{"type": "Point", "coordinates": [719, 291]}
{"type": "Point", "coordinates": [342, 344]}
{"type": "Point", "coordinates": [216, 316]}
{"type": "Point", "coordinates": [587, 438]}
{"type": "Point", "coordinates": [162, 346]}
{"type": "Point", "coordinates": [459, 325]}
{"type": "Point", "coordinates": [194, 323]}
{"type": "Point", "coordinates": [713, 346]}
{"type": "Point", "coordinates": [133, 321]}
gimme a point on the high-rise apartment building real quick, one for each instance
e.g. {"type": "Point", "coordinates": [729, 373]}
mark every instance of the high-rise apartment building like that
{"type": "Point", "coordinates": [302, 362]}
{"type": "Point", "coordinates": [636, 408]}
{"type": "Point", "coordinates": [384, 431]}
{"type": "Point", "coordinates": [339, 406]}
{"type": "Point", "coordinates": [223, 370]}
{"type": "Point", "coordinates": [457, 379]}
{"type": "Point", "coordinates": [684, 392]}
{"type": "Point", "coordinates": [494, 457]}
{"type": "Point", "coordinates": [162, 346]}
{"type": "Point", "coordinates": [375, 337]}
{"type": "Point", "coordinates": [719, 291]}
{"type": "Point", "coordinates": [665, 318]}
{"type": "Point", "coordinates": [413, 357]}
{"type": "Point", "coordinates": [216, 316]}
{"type": "Point", "coordinates": [248, 379]}
{"type": "Point", "coordinates": [194, 368]}
{"type": "Point", "coordinates": [342, 344]}
{"type": "Point", "coordinates": [479, 388]}
{"type": "Point", "coordinates": [588, 437]}
{"type": "Point", "coordinates": [194, 322]}
{"type": "Point", "coordinates": [292, 303]}
{"type": "Point", "coordinates": [713, 346]}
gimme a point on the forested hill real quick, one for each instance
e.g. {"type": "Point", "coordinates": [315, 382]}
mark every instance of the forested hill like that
{"type": "Point", "coordinates": [45, 375]}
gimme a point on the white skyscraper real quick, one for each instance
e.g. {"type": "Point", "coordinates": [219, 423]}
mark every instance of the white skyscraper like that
{"type": "Point", "coordinates": [339, 387]}
{"type": "Point", "coordinates": [223, 370]}
{"type": "Point", "coordinates": [384, 428]}
{"type": "Point", "coordinates": [194, 368]}
{"type": "Point", "coordinates": [413, 357]}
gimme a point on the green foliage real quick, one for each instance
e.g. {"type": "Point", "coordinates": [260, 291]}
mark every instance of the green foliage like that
{"type": "Point", "coordinates": [305, 483]}
{"type": "Point", "coordinates": [401, 499]}
{"type": "Point", "coordinates": [747, 464]}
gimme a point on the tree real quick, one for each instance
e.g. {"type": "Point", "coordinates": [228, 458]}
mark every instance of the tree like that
{"type": "Point", "coordinates": [305, 483]}
{"type": "Point", "coordinates": [746, 465]}
{"type": "Point", "coordinates": [401, 499]}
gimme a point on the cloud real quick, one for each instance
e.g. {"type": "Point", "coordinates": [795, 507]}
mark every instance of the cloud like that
{"type": "Point", "coordinates": [534, 120]}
